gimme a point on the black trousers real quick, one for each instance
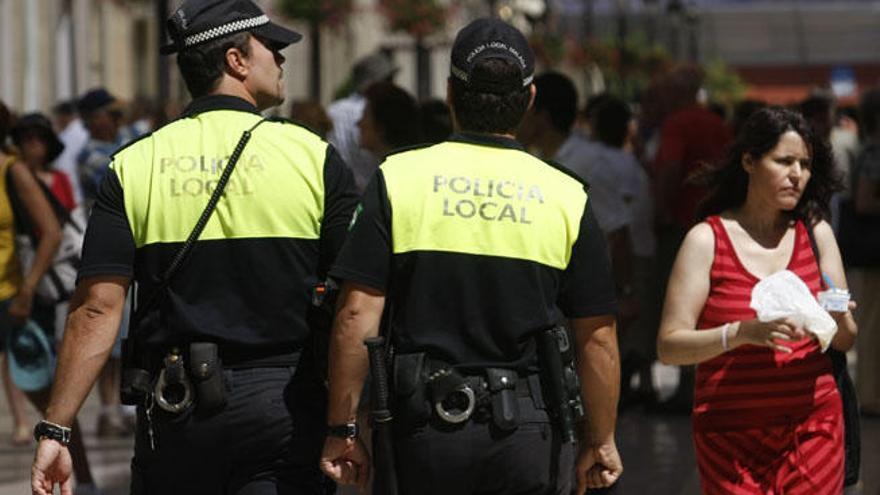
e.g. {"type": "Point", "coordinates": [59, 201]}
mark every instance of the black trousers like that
{"type": "Point", "coordinates": [267, 441]}
{"type": "Point", "coordinates": [479, 459]}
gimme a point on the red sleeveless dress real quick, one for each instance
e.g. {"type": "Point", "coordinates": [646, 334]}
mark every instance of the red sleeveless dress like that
{"type": "Point", "coordinates": [765, 422]}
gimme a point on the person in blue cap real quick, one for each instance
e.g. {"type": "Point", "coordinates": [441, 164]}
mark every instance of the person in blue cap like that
{"type": "Point", "coordinates": [220, 355]}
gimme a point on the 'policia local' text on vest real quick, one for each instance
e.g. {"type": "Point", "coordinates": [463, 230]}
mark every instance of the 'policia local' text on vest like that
{"type": "Point", "coordinates": [249, 278]}
{"type": "Point", "coordinates": [481, 237]}
{"type": "Point", "coordinates": [463, 198]}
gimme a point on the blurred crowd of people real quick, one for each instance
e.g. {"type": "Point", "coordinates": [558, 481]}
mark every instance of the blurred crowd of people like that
{"type": "Point", "coordinates": [52, 166]}
{"type": "Point", "coordinates": [653, 167]}
{"type": "Point", "coordinates": [639, 158]}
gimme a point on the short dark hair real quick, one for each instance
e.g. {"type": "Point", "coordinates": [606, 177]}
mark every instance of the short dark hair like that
{"type": "Point", "coordinates": [492, 113]}
{"type": "Point", "coordinates": [816, 106]}
{"type": "Point", "coordinates": [557, 95]}
{"type": "Point", "coordinates": [592, 104]}
{"type": "Point", "coordinates": [395, 113]}
{"type": "Point", "coordinates": [66, 107]}
{"type": "Point", "coordinates": [203, 65]}
{"type": "Point", "coordinates": [436, 121]}
{"type": "Point", "coordinates": [869, 110]}
{"type": "Point", "coordinates": [728, 181]}
{"type": "Point", "coordinates": [610, 122]}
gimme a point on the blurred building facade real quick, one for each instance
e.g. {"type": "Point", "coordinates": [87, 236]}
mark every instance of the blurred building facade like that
{"type": "Point", "coordinates": [54, 50]}
{"type": "Point", "coordinates": [782, 48]}
{"type": "Point", "coordinates": [51, 50]}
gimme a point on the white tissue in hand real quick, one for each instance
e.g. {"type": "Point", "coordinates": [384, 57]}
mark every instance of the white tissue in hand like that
{"type": "Point", "coordinates": [785, 295]}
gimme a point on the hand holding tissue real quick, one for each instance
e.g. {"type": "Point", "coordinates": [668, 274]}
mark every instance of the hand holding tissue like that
{"type": "Point", "coordinates": [785, 295]}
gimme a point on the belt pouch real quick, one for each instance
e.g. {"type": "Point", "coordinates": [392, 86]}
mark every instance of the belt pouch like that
{"type": "Point", "coordinates": [136, 383]}
{"type": "Point", "coordinates": [206, 372]}
{"type": "Point", "coordinates": [412, 407]}
{"type": "Point", "coordinates": [136, 386]}
{"type": "Point", "coordinates": [505, 408]}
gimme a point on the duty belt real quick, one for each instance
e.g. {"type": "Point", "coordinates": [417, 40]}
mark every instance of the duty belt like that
{"type": "Point", "coordinates": [494, 395]}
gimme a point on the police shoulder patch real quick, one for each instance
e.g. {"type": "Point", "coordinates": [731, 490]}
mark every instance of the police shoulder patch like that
{"type": "Point", "coordinates": [354, 216]}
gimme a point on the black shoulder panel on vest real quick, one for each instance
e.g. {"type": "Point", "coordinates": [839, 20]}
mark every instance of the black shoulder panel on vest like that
{"type": "Point", "coordinates": [133, 141]}
{"type": "Point", "coordinates": [284, 120]}
{"type": "Point", "coordinates": [412, 147]}
{"type": "Point", "coordinates": [145, 136]}
{"type": "Point", "coordinates": [566, 171]}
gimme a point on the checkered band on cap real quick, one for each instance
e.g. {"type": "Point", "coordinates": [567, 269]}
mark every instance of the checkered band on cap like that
{"type": "Point", "coordinates": [225, 29]}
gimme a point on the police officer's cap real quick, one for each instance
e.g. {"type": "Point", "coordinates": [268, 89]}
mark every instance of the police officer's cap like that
{"type": "Point", "coordinates": [487, 38]}
{"type": "Point", "coordinates": [200, 21]}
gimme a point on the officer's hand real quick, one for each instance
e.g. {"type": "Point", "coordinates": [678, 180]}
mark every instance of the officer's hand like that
{"type": "Point", "coordinates": [346, 461]}
{"type": "Point", "coordinates": [598, 466]}
{"type": "Point", "coordinates": [52, 464]}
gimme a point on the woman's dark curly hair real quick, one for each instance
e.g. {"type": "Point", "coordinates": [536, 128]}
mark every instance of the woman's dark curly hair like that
{"type": "Point", "coordinates": [728, 181]}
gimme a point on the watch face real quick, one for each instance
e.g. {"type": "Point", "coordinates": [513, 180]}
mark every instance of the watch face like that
{"type": "Point", "coordinates": [349, 430]}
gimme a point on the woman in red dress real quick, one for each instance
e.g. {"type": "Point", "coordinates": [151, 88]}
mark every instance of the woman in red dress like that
{"type": "Point", "coordinates": [767, 415]}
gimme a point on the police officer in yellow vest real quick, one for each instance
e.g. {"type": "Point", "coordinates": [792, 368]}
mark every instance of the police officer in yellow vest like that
{"type": "Point", "coordinates": [232, 404]}
{"type": "Point", "coordinates": [472, 247]}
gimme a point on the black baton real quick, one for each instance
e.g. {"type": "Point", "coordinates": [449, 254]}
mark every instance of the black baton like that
{"type": "Point", "coordinates": [385, 481]}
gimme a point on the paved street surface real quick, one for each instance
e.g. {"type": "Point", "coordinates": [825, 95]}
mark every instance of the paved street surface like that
{"type": "Point", "coordinates": [657, 453]}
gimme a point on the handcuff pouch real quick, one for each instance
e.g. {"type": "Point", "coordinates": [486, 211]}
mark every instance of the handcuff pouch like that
{"type": "Point", "coordinates": [505, 405]}
{"type": "Point", "coordinates": [206, 373]}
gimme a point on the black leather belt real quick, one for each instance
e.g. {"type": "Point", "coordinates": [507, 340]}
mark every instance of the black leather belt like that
{"type": "Point", "coordinates": [243, 358]}
{"type": "Point", "coordinates": [235, 357]}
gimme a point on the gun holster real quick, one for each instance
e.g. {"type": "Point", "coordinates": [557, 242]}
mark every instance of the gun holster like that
{"type": "Point", "coordinates": [505, 406]}
{"type": "Point", "coordinates": [206, 373]}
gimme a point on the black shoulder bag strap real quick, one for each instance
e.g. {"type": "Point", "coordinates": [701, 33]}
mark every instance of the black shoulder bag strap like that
{"type": "Point", "coordinates": [183, 253]}
{"type": "Point", "coordinates": [851, 422]}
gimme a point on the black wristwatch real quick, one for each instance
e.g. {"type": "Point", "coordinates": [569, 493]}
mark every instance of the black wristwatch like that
{"type": "Point", "coordinates": [47, 429]}
{"type": "Point", "coordinates": [347, 430]}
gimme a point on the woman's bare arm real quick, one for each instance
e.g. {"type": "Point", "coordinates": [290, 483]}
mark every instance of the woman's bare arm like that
{"type": "Point", "coordinates": [831, 265]}
{"type": "Point", "coordinates": [679, 342]}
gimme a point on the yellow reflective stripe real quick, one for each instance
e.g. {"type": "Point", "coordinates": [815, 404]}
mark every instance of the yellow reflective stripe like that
{"type": "Point", "coordinates": [276, 190]}
{"type": "Point", "coordinates": [464, 198]}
